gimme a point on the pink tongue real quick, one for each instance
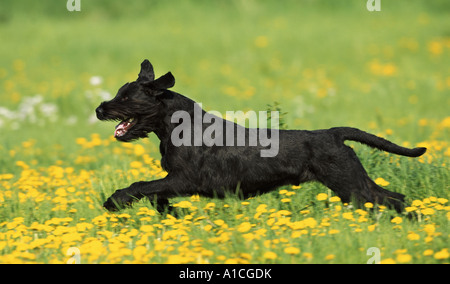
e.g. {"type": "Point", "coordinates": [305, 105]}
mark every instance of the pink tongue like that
{"type": "Point", "coordinates": [121, 129]}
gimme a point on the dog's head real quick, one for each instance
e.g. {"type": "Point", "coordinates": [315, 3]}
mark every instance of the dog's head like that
{"type": "Point", "coordinates": [136, 104]}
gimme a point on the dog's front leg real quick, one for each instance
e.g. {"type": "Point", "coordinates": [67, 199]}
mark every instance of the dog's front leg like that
{"type": "Point", "coordinates": [158, 191]}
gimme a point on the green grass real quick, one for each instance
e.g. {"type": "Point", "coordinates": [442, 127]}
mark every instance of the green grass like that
{"type": "Point", "coordinates": [323, 63]}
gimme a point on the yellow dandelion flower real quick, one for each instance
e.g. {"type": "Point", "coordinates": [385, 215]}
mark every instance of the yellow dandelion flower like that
{"type": "Point", "coordinates": [322, 196]}
{"type": "Point", "coordinates": [310, 222]}
{"type": "Point", "coordinates": [283, 213]}
{"type": "Point", "coordinates": [397, 220]}
{"type": "Point", "coordinates": [413, 236]}
{"type": "Point", "coordinates": [348, 216]}
{"type": "Point", "coordinates": [81, 141]}
{"type": "Point", "coordinates": [139, 150]}
{"type": "Point", "coordinates": [207, 252]}
{"type": "Point", "coordinates": [195, 198]}
{"type": "Point", "coordinates": [232, 261]}
{"type": "Point", "coordinates": [210, 205]}
{"type": "Point", "coordinates": [249, 236]}
{"type": "Point", "coordinates": [270, 255]}
{"type": "Point", "coordinates": [136, 164]}
{"type": "Point", "coordinates": [381, 182]}
{"type": "Point", "coordinates": [368, 205]}
{"type": "Point", "coordinates": [183, 204]}
{"type": "Point", "coordinates": [292, 250]}
{"type": "Point", "coordinates": [435, 47]}
{"type": "Point", "coordinates": [404, 258]}
{"type": "Point", "coordinates": [6, 176]}
{"type": "Point", "coordinates": [124, 215]}
{"type": "Point", "coordinates": [387, 261]}
{"type": "Point", "coordinates": [261, 208]}
{"type": "Point", "coordinates": [427, 211]}
{"type": "Point", "coordinates": [244, 227]}
{"type": "Point", "coordinates": [261, 41]}
{"type": "Point", "coordinates": [445, 123]}
{"type": "Point", "coordinates": [333, 232]}
{"type": "Point", "coordinates": [177, 259]}
{"type": "Point", "coordinates": [443, 254]}
{"type": "Point", "coordinates": [147, 228]}
{"type": "Point", "coordinates": [389, 69]}
{"type": "Point", "coordinates": [219, 222]}
{"type": "Point", "coordinates": [335, 199]}
{"type": "Point", "coordinates": [246, 256]}
{"type": "Point", "coordinates": [134, 172]}
{"type": "Point", "coordinates": [308, 255]}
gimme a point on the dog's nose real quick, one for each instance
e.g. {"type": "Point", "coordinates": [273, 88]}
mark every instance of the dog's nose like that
{"type": "Point", "coordinates": [99, 111]}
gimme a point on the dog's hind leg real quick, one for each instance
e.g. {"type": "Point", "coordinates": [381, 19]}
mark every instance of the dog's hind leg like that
{"type": "Point", "coordinates": [391, 199]}
{"type": "Point", "coordinates": [344, 174]}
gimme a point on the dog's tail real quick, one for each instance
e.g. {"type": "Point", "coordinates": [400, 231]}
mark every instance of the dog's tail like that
{"type": "Point", "coordinates": [353, 134]}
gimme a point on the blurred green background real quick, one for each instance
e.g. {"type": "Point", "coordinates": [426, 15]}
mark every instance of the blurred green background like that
{"type": "Point", "coordinates": [327, 63]}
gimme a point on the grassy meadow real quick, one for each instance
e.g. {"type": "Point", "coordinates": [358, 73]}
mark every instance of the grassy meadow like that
{"type": "Point", "coordinates": [322, 63]}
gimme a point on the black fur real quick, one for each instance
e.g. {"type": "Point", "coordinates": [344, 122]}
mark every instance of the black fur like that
{"type": "Point", "coordinates": [215, 171]}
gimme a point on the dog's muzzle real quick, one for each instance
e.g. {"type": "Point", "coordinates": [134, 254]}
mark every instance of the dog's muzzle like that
{"type": "Point", "coordinates": [100, 112]}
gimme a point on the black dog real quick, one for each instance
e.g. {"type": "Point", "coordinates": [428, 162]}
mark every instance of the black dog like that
{"type": "Point", "coordinates": [146, 106]}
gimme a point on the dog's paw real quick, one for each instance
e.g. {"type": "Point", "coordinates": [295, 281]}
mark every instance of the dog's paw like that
{"type": "Point", "coordinates": [118, 201]}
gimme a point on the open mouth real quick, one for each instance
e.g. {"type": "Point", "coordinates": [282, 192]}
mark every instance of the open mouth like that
{"type": "Point", "coordinates": [123, 127]}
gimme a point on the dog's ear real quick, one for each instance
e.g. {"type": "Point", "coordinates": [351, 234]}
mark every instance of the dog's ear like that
{"type": "Point", "coordinates": [146, 73]}
{"type": "Point", "coordinates": [162, 83]}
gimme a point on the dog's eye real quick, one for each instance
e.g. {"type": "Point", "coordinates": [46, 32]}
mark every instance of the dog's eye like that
{"type": "Point", "coordinates": [124, 99]}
